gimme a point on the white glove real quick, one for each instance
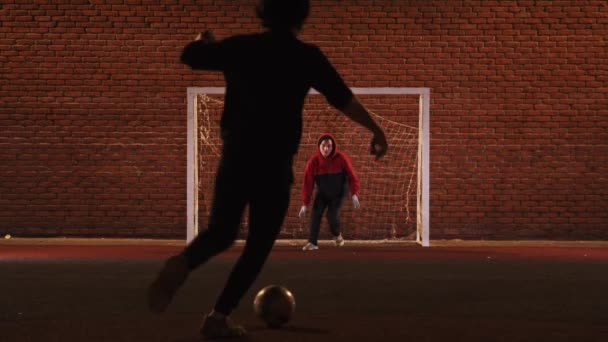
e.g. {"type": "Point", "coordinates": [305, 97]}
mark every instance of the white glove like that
{"type": "Point", "coordinates": [356, 202]}
{"type": "Point", "coordinates": [302, 212]}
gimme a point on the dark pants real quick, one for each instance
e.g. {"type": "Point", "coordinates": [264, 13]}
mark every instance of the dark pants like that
{"type": "Point", "coordinates": [242, 179]}
{"type": "Point", "coordinates": [320, 203]}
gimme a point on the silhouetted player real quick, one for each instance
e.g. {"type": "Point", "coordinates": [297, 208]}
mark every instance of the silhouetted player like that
{"type": "Point", "coordinates": [267, 75]}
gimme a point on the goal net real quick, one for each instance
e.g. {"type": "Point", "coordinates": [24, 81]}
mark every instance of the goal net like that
{"type": "Point", "coordinates": [394, 191]}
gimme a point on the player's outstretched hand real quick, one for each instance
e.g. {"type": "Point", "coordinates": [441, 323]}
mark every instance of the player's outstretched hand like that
{"type": "Point", "coordinates": [206, 36]}
{"type": "Point", "coordinates": [356, 203]}
{"type": "Point", "coordinates": [302, 212]}
{"type": "Point", "coordinates": [379, 145]}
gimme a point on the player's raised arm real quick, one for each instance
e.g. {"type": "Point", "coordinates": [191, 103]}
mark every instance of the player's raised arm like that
{"type": "Point", "coordinates": [204, 53]}
{"type": "Point", "coordinates": [358, 113]}
{"type": "Point", "coordinates": [327, 81]}
{"type": "Point", "coordinates": [206, 36]}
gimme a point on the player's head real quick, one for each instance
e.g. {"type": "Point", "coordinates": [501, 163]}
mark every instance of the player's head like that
{"type": "Point", "coordinates": [326, 145]}
{"type": "Point", "coordinates": [283, 14]}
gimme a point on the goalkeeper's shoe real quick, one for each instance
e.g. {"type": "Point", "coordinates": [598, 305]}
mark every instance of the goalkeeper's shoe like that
{"type": "Point", "coordinates": [310, 247]}
{"type": "Point", "coordinates": [339, 240]}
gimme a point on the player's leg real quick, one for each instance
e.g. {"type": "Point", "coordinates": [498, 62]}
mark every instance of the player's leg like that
{"type": "Point", "coordinates": [229, 200]}
{"type": "Point", "coordinates": [266, 215]}
{"type": "Point", "coordinates": [318, 207]}
{"type": "Point", "coordinates": [267, 209]}
{"type": "Point", "coordinates": [333, 217]}
{"type": "Point", "coordinates": [228, 205]}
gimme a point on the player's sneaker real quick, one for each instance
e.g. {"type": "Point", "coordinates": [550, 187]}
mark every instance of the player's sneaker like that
{"type": "Point", "coordinates": [220, 327]}
{"type": "Point", "coordinates": [310, 247]}
{"type": "Point", "coordinates": [339, 240]}
{"type": "Point", "coordinates": [169, 279]}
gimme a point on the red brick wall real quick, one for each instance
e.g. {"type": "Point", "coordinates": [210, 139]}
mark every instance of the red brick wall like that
{"type": "Point", "coordinates": [92, 109]}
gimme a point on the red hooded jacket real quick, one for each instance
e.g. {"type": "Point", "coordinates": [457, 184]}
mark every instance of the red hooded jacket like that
{"type": "Point", "coordinates": [329, 174]}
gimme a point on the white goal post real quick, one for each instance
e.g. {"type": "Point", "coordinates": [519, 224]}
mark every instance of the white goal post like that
{"type": "Point", "coordinates": [423, 154]}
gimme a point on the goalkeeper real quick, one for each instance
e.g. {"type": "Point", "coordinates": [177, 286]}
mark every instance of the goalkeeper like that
{"type": "Point", "coordinates": [333, 174]}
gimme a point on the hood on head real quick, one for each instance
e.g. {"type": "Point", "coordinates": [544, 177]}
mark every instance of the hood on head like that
{"type": "Point", "coordinates": [333, 142]}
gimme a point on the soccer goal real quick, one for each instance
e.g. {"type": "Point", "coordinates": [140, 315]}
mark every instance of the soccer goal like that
{"type": "Point", "coordinates": [394, 192]}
